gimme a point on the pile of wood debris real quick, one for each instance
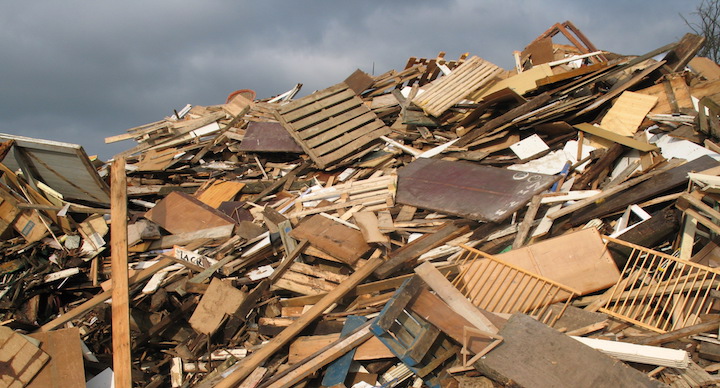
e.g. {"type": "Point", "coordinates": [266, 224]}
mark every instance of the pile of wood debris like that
{"type": "Point", "coordinates": [449, 224]}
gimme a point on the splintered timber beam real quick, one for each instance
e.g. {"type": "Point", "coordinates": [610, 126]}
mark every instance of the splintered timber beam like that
{"type": "Point", "coordinates": [120, 290]}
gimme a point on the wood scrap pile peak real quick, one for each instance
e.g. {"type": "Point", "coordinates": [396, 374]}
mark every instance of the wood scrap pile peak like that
{"type": "Point", "coordinates": [406, 228]}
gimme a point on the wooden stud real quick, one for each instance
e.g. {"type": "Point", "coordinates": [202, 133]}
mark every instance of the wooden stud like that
{"type": "Point", "coordinates": [122, 366]}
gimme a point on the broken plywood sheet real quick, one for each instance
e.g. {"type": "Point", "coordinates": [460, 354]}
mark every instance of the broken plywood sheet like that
{"type": "Point", "coordinates": [219, 191]}
{"type": "Point", "coordinates": [20, 359]}
{"type": "Point", "coordinates": [180, 213]}
{"type": "Point", "coordinates": [520, 83]}
{"type": "Point", "coordinates": [335, 239]}
{"type": "Point", "coordinates": [220, 299]}
{"type": "Point", "coordinates": [578, 260]}
{"type": "Point", "coordinates": [673, 95]}
{"type": "Point", "coordinates": [447, 91]}
{"type": "Point", "coordinates": [628, 112]}
{"type": "Point", "coordinates": [706, 67]}
{"type": "Point", "coordinates": [467, 190]}
{"type": "Point", "coordinates": [65, 368]}
{"type": "Point", "coordinates": [535, 355]}
{"type": "Point", "coordinates": [268, 137]}
{"type": "Point", "coordinates": [156, 160]}
{"type": "Point", "coordinates": [331, 125]}
{"type": "Point", "coordinates": [64, 167]}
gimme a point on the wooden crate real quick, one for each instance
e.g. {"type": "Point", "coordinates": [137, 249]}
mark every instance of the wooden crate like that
{"type": "Point", "coordinates": [331, 125]}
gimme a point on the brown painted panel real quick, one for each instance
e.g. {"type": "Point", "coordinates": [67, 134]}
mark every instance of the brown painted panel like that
{"type": "Point", "coordinates": [467, 190]}
{"type": "Point", "coordinates": [268, 137]}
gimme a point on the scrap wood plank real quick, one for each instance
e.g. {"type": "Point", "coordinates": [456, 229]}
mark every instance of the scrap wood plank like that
{"type": "Point", "coordinates": [628, 112]}
{"type": "Point", "coordinates": [705, 67]}
{"type": "Point", "coordinates": [218, 192]}
{"type": "Point", "coordinates": [687, 47]}
{"type": "Point", "coordinates": [307, 280]}
{"type": "Point", "coordinates": [220, 299]}
{"type": "Point", "coordinates": [520, 83]}
{"type": "Point", "coordinates": [122, 357]}
{"type": "Point", "coordinates": [181, 213]}
{"type": "Point", "coordinates": [504, 119]}
{"type": "Point", "coordinates": [534, 355]}
{"type": "Point", "coordinates": [660, 183]}
{"type": "Point", "coordinates": [618, 89]}
{"type": "Point", "coordinates": [261, 355]}
{"type": "Point", "coordinates": [579, 260]}
{"type": "Point", "coordinates": [615, 137]}
{"type": "Point", "coordinates": [332, 237]}
{"type": "Point", "coordinates": [433, 309]}
{"type": "Point", "coordinates": [453, 297]}
{"type": "Point", "coordinates": [20, 359]}
{"type": "Point", "coordinates": [674, 88]}
{"type": "Point", "coordinates": [65, 368]}
{"type": "Point", "coordinates": [350, 191]}
{"type": "Point", "coordinates": [268, 137]}
{"type": "Point", "coordinates": [331, 125]}
{"type": "Point", "coordinates": [447, 91]}
{"type": "Point", "coordinates": [401, 256]}
{"type": "Point", "coordinates": [292, 376]}
{"type": "Point", "coordinates": [571, 74]}
{"type": "Point", "coordinates": [305, 346]}
{"type": "Point", "coordinates": [369, 225]}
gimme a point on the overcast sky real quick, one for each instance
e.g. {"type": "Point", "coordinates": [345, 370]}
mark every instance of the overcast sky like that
{"type": "Point", "coordinates": [79, 71]}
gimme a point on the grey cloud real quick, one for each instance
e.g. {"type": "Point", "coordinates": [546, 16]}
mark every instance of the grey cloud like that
{"type": "Point", "coordinates": [79, 71]}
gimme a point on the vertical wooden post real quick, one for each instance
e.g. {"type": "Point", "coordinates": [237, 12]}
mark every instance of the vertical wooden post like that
{"type": "Point", "coordinates": [120, 294]}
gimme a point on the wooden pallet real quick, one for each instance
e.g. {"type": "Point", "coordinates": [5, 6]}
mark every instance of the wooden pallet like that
{"type": "Point", "coordinates": [447, 91]}
{"type": "Point", "coordinates": [432, 71]}
{"type": "Point", "coordinates": [331, 125]}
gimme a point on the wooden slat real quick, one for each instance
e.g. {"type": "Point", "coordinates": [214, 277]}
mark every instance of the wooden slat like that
{"type": "Point", "coordinates": [319, 105]}
{"type": "Point", "coordinates": [333, 117]}
{"type": "Point", "coordinates": [299, 103]}
{"type": "Point", "coordinates": [349, 136]}
{"type": "Point", "coordinates": [327, 119]}
{"type": "Point", "coordinates": [447, 91]}
{"type": "Point", "coordinates": [331, 129]}
{"type": "Point", "coordinates": [332, 132]}
{"type": "Point", "coordinates": [352, 147]}
{"type": "Point", "coordinates": [120, 292]}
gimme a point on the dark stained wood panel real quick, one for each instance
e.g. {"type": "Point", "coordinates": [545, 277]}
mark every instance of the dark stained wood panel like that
{"type": "Point", "coordinates": [467, 190]}
{"type": "Point", "coordinates": [268, 137]}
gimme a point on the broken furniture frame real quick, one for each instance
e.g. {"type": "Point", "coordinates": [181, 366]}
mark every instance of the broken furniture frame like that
{"type": "Point", "coordinates": [501, 287]}
{"type": "Point", "coordinates": [660, 292]}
